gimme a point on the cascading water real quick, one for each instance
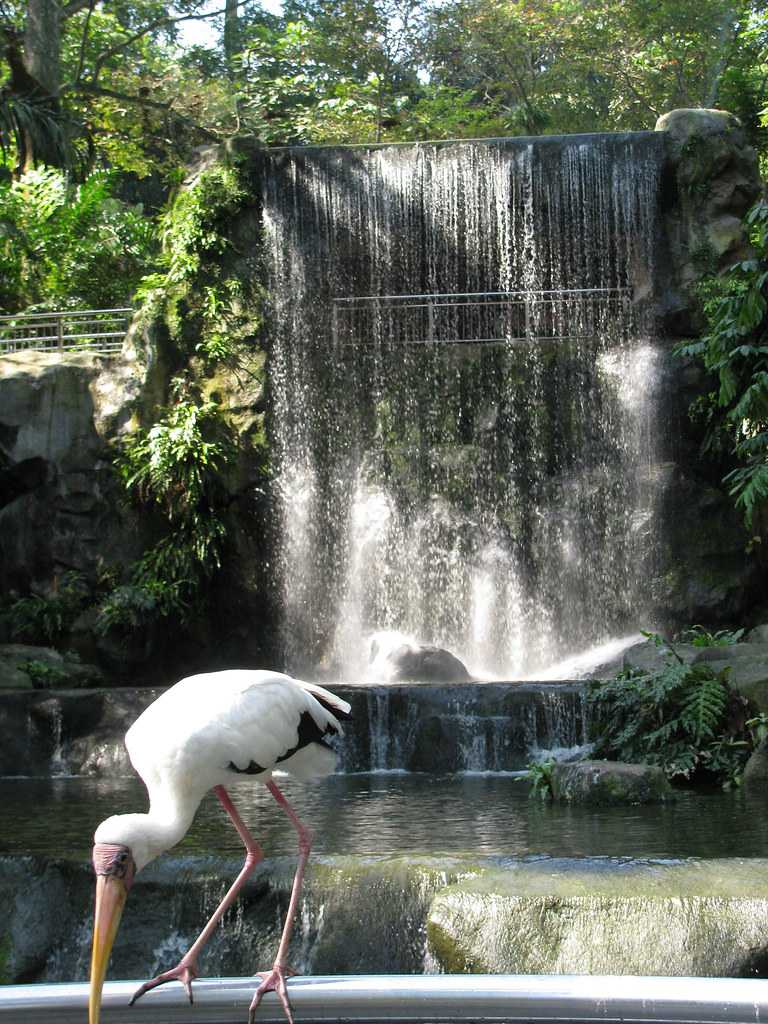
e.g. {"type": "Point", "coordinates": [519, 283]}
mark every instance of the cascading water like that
{"type": "Point", "coordinates": [461, 387]}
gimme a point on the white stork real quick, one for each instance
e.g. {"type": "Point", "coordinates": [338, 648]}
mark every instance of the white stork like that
{"type": "Point", "coordinates": [198, 735]}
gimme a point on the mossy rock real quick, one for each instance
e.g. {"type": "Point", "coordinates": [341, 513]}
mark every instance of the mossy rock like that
{"type": "Point", "coordinates": [606, 783]}
{"type": "Point", "coordinates": [601, 916]}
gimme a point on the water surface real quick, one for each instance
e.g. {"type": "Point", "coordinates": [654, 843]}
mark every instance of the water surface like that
{"type": "Point", "coordinates": [398, 813]}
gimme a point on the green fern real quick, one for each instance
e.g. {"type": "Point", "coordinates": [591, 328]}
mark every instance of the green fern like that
{"type": "Point", "coordinates": [677, 717]}
{"type": "Point", "coordinates": [705, 706]}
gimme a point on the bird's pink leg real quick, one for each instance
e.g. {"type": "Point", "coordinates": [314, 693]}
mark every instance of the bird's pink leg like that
{"type": "Point", "coordinates": [275, 980]}
{"type": "Point", "coordinates": [186, 969]}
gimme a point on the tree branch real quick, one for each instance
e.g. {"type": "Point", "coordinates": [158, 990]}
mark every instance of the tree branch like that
{"type": "Point", "coordinates": [84, 40]}
{"type": "Point", "coordinates": [73, 7]}
{"type": "Point", "coordinates": [90, 89]}
{"type": "Point", "coordinates": [163, 22]}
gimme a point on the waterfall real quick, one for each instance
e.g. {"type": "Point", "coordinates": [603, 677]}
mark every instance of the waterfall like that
{"type": "Point", "coordinates": [462, 388]}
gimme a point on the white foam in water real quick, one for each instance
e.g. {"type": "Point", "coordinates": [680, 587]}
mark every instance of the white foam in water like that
{"type": "Point", "coordinates": [381, 646]}
{"type": "Point", "coordinates": [575, 753]}
{"type": "Point", "coordinates": [581, 665]}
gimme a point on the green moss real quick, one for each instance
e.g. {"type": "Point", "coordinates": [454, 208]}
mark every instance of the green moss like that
{"type": "Point", "coordinates": [450, 955]}
{"type": "Point", "coordinates": [6, 953]}
{"type": "Point", "coordinates": [205, 301]}
{"type": "Point", "coordinates": [703, 257]}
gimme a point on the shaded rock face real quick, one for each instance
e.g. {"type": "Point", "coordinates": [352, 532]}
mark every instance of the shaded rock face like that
{"type": "Point", "coordinates": [603, 783]}
{"type": "Point", "coordinates": [713, 179]}
{"type": "Point", "coordinates": [73, 731]}
{"type": "Point", "coordinates": [60, 509]}
{"type": "Point", "coordinates": [23, 666]}
{"type": "Point", "coordinates": [703, 570]}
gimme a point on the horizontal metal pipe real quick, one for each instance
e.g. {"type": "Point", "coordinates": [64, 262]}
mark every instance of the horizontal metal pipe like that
{"type": "Point", "coordinates": [561, 292]}
{"type": "Point", "coordinates": [62, 315]}
{"type": "Point", "coordinates": [417, 998]}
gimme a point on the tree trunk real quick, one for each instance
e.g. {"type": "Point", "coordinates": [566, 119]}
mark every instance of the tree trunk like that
{"type": "Point", "coordinates": [231, 35]}
{"type": "Point", "coordinates": [726, 38]}
{"type": "Point", "coordinates": [36, 80]}
{"type": "Point", "coordinates": [42, 46]}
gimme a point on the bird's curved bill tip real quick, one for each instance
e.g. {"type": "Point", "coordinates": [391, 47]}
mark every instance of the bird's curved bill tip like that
{"type": "Point", "coordinates": [111, 893]}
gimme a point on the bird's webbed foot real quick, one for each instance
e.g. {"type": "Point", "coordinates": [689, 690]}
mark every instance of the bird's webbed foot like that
{"type": "Point", "coordinates": [183, 972]}
{"type": "Point", "coordinates": [273, 981]}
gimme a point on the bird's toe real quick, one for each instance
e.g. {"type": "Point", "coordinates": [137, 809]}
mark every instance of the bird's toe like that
{"type": "Point", "coordinates": [183, 972]}
{"type": "Point", "coordinates": [273, 981]}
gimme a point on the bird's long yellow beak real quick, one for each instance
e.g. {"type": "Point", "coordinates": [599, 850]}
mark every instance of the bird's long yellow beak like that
{"type": "Point", "coordinates": [111, 894]}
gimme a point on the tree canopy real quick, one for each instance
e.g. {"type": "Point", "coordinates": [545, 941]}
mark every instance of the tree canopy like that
{"type": "Point", "coordinates": [114, 83]}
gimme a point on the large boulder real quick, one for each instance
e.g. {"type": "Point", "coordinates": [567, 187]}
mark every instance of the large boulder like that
{"type": "Point", "coordinates": [747, 666]}
{"type": "Point", "coordinates": [756, 771]}
{"type": "Point", "coordinates": [398, 659]}
{"type": "Point", "coordinates": [426, 663]}
{"type": "Point", "coordinates": [604, 783]}
{"type": "Point", "coordinates": [649, 657]}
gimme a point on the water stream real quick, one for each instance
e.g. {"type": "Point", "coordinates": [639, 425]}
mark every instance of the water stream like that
{"type": "Point", "coordinates": [462, 396]}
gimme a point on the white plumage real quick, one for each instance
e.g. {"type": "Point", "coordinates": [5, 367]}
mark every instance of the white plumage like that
{"type": "Point", "coordinates": [199, 735]}
{"type": "Point", "coordinates": [195, 730]}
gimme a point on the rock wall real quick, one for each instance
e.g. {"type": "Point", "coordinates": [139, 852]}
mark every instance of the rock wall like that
{"type": "Point", "coordinates": [712, 178]}
{"type": "Point", "coordinates": [61, 512]}
{"type": "Point", "coordinates": [62, 508]}
{"type": "Point", "coordinates": [706, 571]}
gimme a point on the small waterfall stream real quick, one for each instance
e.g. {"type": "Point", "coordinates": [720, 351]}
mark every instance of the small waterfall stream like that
{"type": "Point", "coordinates": [424, 727]}
{"type": "Point", "coordinates": [462, 388]}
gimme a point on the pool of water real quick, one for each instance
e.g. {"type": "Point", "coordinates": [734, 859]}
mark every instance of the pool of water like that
{"type": "Point", "coordinates": [393, 813]}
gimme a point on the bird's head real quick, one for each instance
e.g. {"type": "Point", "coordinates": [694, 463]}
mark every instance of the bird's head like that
{"type": "Point", "coordinates": [122, 846]}
{"type": "Point", "coordinates": [115, 868]}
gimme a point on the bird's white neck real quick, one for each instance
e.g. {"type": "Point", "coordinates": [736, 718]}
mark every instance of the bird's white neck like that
{"type": "Point", "coordinates": [149, 835]}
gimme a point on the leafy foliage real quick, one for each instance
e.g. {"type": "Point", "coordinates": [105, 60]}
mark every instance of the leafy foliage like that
{"type": "Point", "coordinates": [685, 718]}
{"type": "Point", "coordinates": [220, 308]}
{"type": "Point", "coordinates": [45, 618]}
{"type": "Point", "coordinates": [132, 606]}
{"type": "Point", "coordinates": [139, 98]}
{"type": "Point", "coordinates": [540, 778]}
{"type": "Point", "coordinates": [758, 727]}
{"type": "Point", "coordinates": [175, 469]}
{"type": "Point", "coordinates": [735, 350]}
{"type": "Point", "coordinates": [26, 123]}
{"type": "Point", "coordinates": [64, 245]}
{"type": "Point", "coordinates": [698, 636]}
{"type": "Point", "coordinates": [44, 675]}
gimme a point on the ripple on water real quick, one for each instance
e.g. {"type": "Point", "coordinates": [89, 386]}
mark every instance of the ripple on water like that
{"type": "Point", "coordinates": [383, 813]}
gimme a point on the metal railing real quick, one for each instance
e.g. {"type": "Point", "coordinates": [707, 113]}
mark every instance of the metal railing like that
{"type": "Point", "coordinates": [481, 317]}
{"type": "Point", "coordinates": [84, 330]}
{"type": "Point", "coordinates": [544, 999]}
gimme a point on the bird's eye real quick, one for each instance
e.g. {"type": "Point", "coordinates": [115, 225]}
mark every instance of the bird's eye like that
{"type": "Point", "coordinates": [122, 857]}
